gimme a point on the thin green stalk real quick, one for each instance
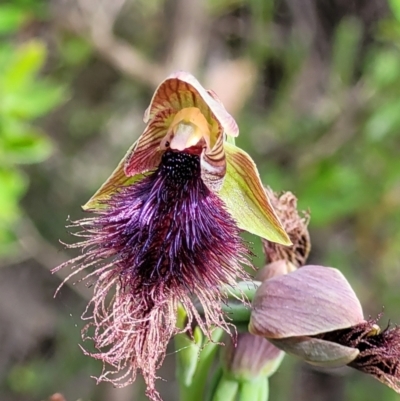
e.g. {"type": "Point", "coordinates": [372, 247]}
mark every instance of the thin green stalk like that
{"type": "Point", "coordinates": [195, 391]}
{"type": "Point", "coordinates": [254, 390]}
{"type": "Point", "coordinates": [192, 373]}
{"type": "Point", "coordinates": [264, 391]}
{"type": "Point", "coordinates": [216, 377]}
{"type": "Point", "coordinates": [226, 390]}
{"type": "Point", "coordinates": [235, 309]}
{"type": "Point", "coordinates": [243, 288]}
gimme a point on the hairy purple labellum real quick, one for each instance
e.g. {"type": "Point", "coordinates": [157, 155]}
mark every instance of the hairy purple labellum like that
{"type": "Point", "coordinates": [159, 242]}
{"type": "Point", "coordinates": [169, 229]}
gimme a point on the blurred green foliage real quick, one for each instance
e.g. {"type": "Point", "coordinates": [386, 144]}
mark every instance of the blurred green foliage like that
{"type": "Point", "coordinates": [340, 157]}
{"type": "Point", "coordinates": [333, 183]}
{"type": "Point", "coordinates": [25, 95]}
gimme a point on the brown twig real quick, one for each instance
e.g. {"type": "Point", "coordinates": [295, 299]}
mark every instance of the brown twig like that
{"type": "Point", "coordinates": [189, 37]}
{"type": "Point", "coordinates": [94, 21]}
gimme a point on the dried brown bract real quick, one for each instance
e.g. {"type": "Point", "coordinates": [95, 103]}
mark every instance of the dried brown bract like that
{"type": "Point", "coordinates": [295, 225]}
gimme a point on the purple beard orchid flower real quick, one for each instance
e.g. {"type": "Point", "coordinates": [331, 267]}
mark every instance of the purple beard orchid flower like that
{"type": "Point", "coordinates": [166, 230]}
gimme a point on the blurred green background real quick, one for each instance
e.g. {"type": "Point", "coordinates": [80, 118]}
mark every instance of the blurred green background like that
{"type": "Point", "coordinates": [315, 88]}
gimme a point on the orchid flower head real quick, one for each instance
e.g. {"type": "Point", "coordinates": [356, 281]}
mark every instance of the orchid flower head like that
{"type": "Point", "coordinates": [164, 231]}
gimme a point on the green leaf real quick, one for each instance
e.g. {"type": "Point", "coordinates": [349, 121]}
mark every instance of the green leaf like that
{"type": "Point", "coordinates": [246, 200]}
{"type": "Point", "coordinates": [13, 184]}
{"type": "Point", "coordinates": [333, 190]}
{"type": "Point", "coordinates": [384, 68]}
{"type": "Point", "coordinates": [11, 18]}
{"type": "Point", "coordinates": [395, 6]}
{"type": "Point", "coordinates": [22, 69]}
{"type": "Point", "coordinates": [20, 144]}
{"type": "Point", "coordinates": [384, 121]}
{"type": "Point", "coordinates": [33, 100]}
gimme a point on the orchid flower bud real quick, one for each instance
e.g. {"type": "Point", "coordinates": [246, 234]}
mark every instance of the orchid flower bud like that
{"type": "Point", "coordinates": [313, 313]}
{"type": "Point", "coordinates": [251, 357]}
{"type": "Point", "coordinates": [247, 363]}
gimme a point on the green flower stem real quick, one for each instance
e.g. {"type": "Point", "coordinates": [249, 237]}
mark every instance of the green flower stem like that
{"type": "Point", "coordinates": [195, 391]}
{"type": "Point", "coordinates": [237, 312]}
{"type": "Point", "coordinates": [243, 288]}
{"type": "Point", "coordinates": [237, 308]}
{"type": "Point", "coordinates": [249, 390]}
{"type": "Point", "coordinates": [216, 378]}
{"type": "Point", "coordinates": [192, 371]}
{"type": "Point", "coordinates": [226, 390]}
{"type": "Point", "coordinates": [263, 395]}
{"type": "Point", "coordinates": [254, 390]}
{"type": "Point", "coordinates": [187, 355]}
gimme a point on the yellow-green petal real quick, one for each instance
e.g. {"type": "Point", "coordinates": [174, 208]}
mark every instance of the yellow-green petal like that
{"type": "Point", "coordinates": [116, 180]}
{"type": "Point", "coordinates": [144, 155]}
{"type": "Point", "coordinates": [246, 200]}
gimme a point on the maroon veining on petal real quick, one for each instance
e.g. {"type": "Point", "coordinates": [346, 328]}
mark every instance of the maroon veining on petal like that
{"type": "Point", "coordinates": [158, 242]}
